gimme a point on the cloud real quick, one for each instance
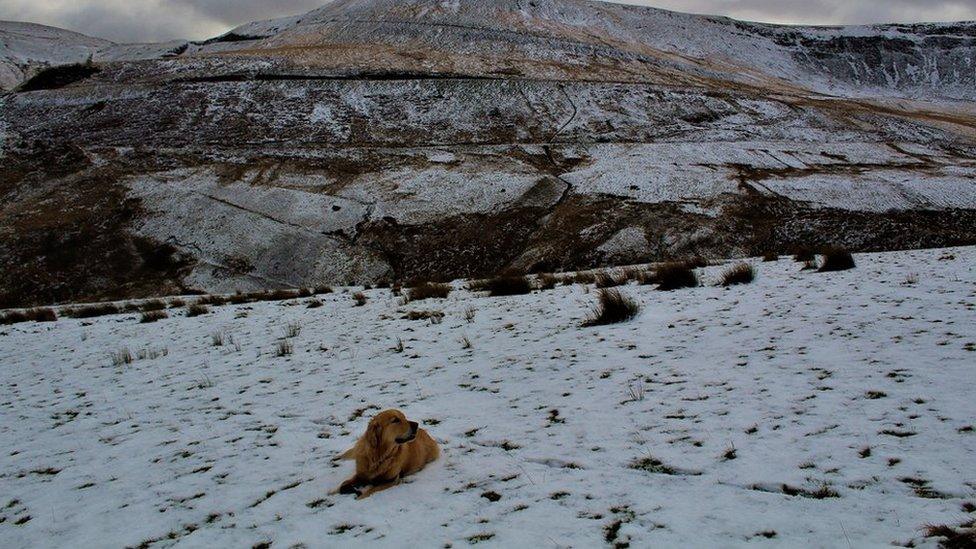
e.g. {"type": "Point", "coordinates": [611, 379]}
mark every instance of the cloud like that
{"type": "Point", "coordinates": [157, 20]}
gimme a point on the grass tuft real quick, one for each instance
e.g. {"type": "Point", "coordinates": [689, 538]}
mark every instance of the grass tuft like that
{"type": "Point", "coordinates": [93, 311]}
{"type": "Point", "coordinates": [612, 308]}
{"type": "Point", "coordinates": [673, 276]}
{"type": "Point", "coordinates": [428, 290]}
{"type": "Point", "coordinates": [31, 315]}
{"type": "Point", "coordinates": [611, 280]}
{"type": "Point", "coordinates": [197, 309]}
{"type": "Point", "coordinates": [742, 273]}
{"type": "Point", "coordinates": [503, 286]}
{"type": "Point", "coordinates": [153, 316]}
{"type": "Point", "coordinates": [836, 259]}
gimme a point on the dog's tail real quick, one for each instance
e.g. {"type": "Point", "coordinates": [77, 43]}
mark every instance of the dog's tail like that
{"type": "Point", "coordinates": [348, 454]}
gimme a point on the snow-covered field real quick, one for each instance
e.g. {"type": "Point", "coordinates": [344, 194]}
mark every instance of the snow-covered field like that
{"type": "Point", "coordinates": [857, 385]}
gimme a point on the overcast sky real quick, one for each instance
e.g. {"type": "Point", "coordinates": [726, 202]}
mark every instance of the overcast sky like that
{"type": "Point", "coordinates": [157, 20]}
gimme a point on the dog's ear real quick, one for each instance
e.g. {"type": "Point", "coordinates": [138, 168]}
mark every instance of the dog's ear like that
{"type": "Point", "coordinates": [374, 434]}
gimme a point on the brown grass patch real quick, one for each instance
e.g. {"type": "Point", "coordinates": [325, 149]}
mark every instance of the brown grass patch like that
{"type": "Point", "coordinates": [197, 309]}
{"type": "Point", "coordinates": [503, 286]}
{"type": "Point", "coordinates": [428, 290]}
{"type": "Point", "coordinates": [837, 259]}
{"type": "Point", "coordinates": [612, 307]}
{"type": "Point", "coordinates": [38, 314]}
{"type": "Point", "coordinates": [741, 273]}
{"type": "Point", "coordinates": [153, 316]}
{"type": "Point", "coordinates": [673, 276]}
{"type": "Point", "coordinates": [93, 311]}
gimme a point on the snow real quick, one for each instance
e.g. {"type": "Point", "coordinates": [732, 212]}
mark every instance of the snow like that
{"type": "Point", "coordinates": [198, 445]}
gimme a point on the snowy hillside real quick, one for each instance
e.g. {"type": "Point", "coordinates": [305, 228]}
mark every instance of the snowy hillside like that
{"type": "Point", "coordinates": [26, 47]}
{"type": "Point", "coordinates": [806, 409]}
{"type": "Point", "coordinates": [392, 140]}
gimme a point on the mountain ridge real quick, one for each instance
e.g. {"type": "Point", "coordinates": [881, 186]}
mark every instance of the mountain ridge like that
{"type": "Point", "coordinates": [373, 140]}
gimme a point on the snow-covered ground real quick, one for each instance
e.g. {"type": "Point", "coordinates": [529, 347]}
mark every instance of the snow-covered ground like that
{"type": "Point", "coordinates": [856, 384]}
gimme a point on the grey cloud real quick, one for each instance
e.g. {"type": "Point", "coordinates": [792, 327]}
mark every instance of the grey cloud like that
{"type": "Point", "coordinates": [156, 20]}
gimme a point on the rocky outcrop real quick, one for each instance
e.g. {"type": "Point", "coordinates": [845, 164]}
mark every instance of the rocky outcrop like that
{"type": "Point", "coordinates": [377, 140]}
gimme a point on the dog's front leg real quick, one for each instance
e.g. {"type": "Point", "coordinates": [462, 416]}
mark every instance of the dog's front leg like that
{"type": "Point", "coordinates": [378, 488]}
{"type": "Point", "coordinates": [349, 486]}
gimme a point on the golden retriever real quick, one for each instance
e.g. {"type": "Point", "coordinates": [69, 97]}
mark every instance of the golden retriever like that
{"type": "Point", "coordinates": [391, 449]}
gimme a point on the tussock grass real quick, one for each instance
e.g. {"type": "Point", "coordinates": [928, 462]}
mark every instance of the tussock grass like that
{"type": "Point", "coordinates": [93, 311]}
{"type": "Point", "coordinates": [741, 273]}
{"type": "Point", "coordinates": [39, 314]}
{"type": "Point", "coordinates": [503, 286]}
{"type": "Point", "coordinates": [122, 357]}
{"type": "Point", "coordinates": [673, 276]}
{"type": "Point", "coordinates": [803, 254]}
{"type": "Point", "coordinates": [611, 280]}
{"type": "Point", "coordinates": [612, 307]}
{"type": "Point", "coordinates": [153, 316]}
{"type": "Point", "coordinates": [952, 538]}
{"type": "Point", "coordinates": [215, 300]}
{"type": "Point", "coordinates": [360, 299]}
{"type": "Point", "coordinates": [197, 309]}
{"type": "Point", "coordinates": [428, 290]}
{"type": "Point", "coordinates": [836, 259]}
{"type": "Point", "coordinates": [153, 305]}
{"type": "Point", "coordinates": [584, 278]}
{"type": "Point", "coordinates": [435, 317]}
{"type": "Point", "coordinates": [283, 348]}
{"type": "Point", "coordinates": [546, 281]}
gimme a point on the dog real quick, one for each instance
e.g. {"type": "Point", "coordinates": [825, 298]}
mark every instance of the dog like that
{"type": "Point", "coordinates": [391, 449]}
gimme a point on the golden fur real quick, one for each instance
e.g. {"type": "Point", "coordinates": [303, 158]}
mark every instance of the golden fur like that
{"type": "Point", "coordinates": [391, 449]}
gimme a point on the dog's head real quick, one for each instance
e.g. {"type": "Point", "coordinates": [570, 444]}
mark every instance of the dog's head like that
{"type": "Point", "coordinates": [391, 427]}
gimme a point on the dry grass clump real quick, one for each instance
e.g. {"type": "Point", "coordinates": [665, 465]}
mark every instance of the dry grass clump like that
{"type": "Point", "coordinates": [197, 309]}
{"type": "Point", "coordinates": [428, 290]}
{"type": "Point", "coordinates": [282, 295]}
{"type": "Point", "coordinates": [770, 256]}
{"type": "Point", "coordinates": [435, 317]}
{"type": "Point", "coordinates": [836, 259]}
{"type": "Point", "coordinates": [613, 307]}
{"type": "Point", "coordinates": [673, 276]}
{"type": "Point", "coordinates": [40, 314]}
{"type": "Point", "coordinates": [122, 357]}
{"type": "Point", "coordinates": [360, 298]}
{"type": "Point", "coordinates": [611, 280]}
{"type": "Point", "coordinates": [215, 300]}
{"type": "Point", "coordinates": [546, 281]}
{"type": "Point", "coordinates": [741, 273]}
{"type": "Point", "coordinates": [283, 348]}
{"type": "Point", "coordinates": [952, 538]}
{"type": "Point", "coordinates": [585, 277]}
{"type": "Point", "coordinates": [804, 254]}
{"type": "Point", "coordinates": [93, 311]}
{"type": "Point", "coordinates": [154, 305]}
{"type": "Point", "coordinates": [293, 329]}
{"type": "Point", "coordinates": [153, 316]}
{"type": "Point", "coordinates": [503, 286]}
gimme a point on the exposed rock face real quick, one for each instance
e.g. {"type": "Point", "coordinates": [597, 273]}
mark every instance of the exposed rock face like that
{"type": "Point", "coordinates": [382, 139]}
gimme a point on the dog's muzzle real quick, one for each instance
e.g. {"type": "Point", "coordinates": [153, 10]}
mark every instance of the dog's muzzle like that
{"type": "Point", "coordinates": [409, 436]}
